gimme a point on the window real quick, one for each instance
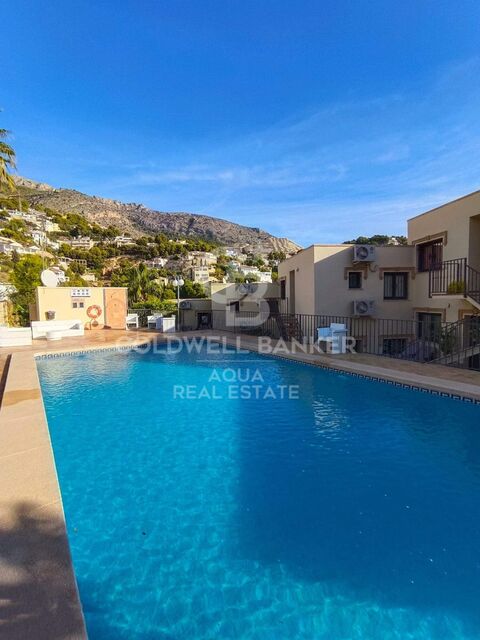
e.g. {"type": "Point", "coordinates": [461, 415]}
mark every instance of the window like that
{"type": "Point", "coordinates": [74, 305]}
{"type": "Point", "coordinates": [283, 289]}
{"type": "Point", "coordinates": [430, 255]}
{"type": "Point", "coordinates": [395, 286]}
{"type": "Point", "coordinates": [429, 325]}
{"type": "Point", "coordinates": [354, 279]}
{"type": "Point", "coordinates": [394, 346]}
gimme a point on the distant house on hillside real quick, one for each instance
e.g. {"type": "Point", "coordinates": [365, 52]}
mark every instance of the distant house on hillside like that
{"type": "Point", "coordinates": [61, 276]}
{"type": "Point", "coordinates": [8, 246]}
{"type": "Point", "coordinates": [200, 274]}
{"type": "Point", "coordinates": [31, 217]}
{"type": "Point", "coordinates": [202, 258]}
{"type": "Point", "coordinates": [65, 263]}
{"type": "Point", "coordinates": [39, 237]}
{"type": "Point", "coordinates": [49, 226]}
{"type": "Point", "coordinates": [89, 277]}
{"type": "Point", "coordinates": [123, 241]}
{"type": "Point", "coordinates": [156, 263]}
{"type": "Point", "coordinates": [80, 243]}
{"type": "Point", "coordinates": [263, 276]}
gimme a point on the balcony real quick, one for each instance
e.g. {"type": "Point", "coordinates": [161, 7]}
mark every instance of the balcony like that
{"type": "Point", "coordinates": [455, 278]}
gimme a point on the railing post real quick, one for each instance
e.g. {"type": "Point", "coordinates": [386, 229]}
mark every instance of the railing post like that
{"type": "Point", "coordinates": [465, 276]}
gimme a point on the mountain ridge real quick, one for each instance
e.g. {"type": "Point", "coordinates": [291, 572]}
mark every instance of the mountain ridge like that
{"type": "Point", "coordinates": [137, 219]}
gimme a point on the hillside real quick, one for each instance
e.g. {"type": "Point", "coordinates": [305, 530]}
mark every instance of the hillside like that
{"type": "Point", "coordinates": [136, 219]}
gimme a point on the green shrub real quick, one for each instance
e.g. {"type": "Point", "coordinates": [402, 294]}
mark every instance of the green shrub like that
{"type": "Point", "coordinates": [456, 286]}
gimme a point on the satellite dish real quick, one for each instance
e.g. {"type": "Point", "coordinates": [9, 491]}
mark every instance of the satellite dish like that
{"type": "Point", "coordinates": [49, 278]}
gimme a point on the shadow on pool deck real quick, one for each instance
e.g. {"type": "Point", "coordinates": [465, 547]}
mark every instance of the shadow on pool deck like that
{"type": "Point", "coordinates": [37, 594]}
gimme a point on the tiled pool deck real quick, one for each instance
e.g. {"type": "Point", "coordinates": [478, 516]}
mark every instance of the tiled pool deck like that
{"type": "Point", "coordinates": [38, 593]}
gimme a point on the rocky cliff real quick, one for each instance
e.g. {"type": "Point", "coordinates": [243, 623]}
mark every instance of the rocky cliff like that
{"type": "Point", "coordinates": [136, 219]}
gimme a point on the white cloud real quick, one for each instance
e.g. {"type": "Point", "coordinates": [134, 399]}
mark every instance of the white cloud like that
{"type": "Point", "coordinates": [354, 168]}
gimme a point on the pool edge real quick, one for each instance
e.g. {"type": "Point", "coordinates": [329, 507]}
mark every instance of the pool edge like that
{"type": "Point", "coordinates": [408, 380]}
{"type": "Point", "coordinates": [36, 549]}
{"type": "Point", "coordinates": [36, 564]}
{"type": "Point", "coordinates": [29, 478]}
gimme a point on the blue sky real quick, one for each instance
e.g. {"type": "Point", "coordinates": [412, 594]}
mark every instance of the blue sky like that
{"type": "Point", "coordinates": [319, 121]}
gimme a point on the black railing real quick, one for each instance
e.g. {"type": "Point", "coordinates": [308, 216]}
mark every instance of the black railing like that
{"type": "Point", "coordinates": [472, 280]}
{"type": "Point", "coordinates": [455, 344]}
{"type": "Point", "coordinates": [461, 344]}
{"type": "Point", "coordinates": [448, 278]}
{"type": "Point", "coordinates": [454, 277]}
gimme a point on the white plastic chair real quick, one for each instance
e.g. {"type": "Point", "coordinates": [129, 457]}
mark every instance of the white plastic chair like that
{"type": "Point", "coordinates": [152, 320]}
{"type": "Point", "coordinates": [132, 321]}
{"type": "Point", "coordinates": [335, 334]}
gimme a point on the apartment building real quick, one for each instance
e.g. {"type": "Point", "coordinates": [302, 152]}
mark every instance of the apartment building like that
{"type": "Point", "coordinates": [340, 280]}
{"type": "Point", "coordinates": [199, 274]}
{"type": "Point", "coordinates": [420, 301]}
{"type": "Point", "coordinates": [123, 241]}
{"type": "Point", "coordinates": [202, 258]}
{"type": "Point", "coordinates": [83, 242]}
{"type": "Point", "coordinates": [447, 260]}
{"type": "Point", "coordinates": [438, 272]}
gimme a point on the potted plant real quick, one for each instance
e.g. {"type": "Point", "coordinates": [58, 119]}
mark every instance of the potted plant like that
{"type": "Point", "coordinates": [456, 286]}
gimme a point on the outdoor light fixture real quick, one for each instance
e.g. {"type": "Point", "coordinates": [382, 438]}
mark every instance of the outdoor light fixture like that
{"type": "Point", "coordinates": [178, 282]}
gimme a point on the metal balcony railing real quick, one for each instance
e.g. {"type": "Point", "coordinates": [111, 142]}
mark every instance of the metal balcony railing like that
{"type": "Point", "coordinates": [448, 277]}
{"type": "Point", "coordinates": [454, 277]}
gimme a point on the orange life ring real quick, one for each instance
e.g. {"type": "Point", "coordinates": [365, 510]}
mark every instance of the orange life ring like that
{"type": "Point", "coordinates": [94, 311]}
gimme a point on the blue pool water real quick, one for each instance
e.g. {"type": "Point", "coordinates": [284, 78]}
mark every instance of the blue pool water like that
{"type": "Point", "coordinates": [352, 512]}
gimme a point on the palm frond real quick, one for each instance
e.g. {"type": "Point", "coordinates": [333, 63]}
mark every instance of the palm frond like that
{"type": "Point", "coordinates": [6, 149]}
{"type": "Point", "coordinates": [7, 182]}
{"type": "Point", "coordinates": [7, 162]}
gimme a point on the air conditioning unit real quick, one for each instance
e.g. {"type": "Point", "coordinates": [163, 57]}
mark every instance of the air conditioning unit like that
{"type": "Point", "coordinates": [364, 253]}
{"type": "Point", "coordinates": [363, 307]}
{"type": "Point", "coordinates": [185, 304]}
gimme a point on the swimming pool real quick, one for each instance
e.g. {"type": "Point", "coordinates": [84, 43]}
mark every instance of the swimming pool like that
{"type": "Point", "coordinates": [348, 512]}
